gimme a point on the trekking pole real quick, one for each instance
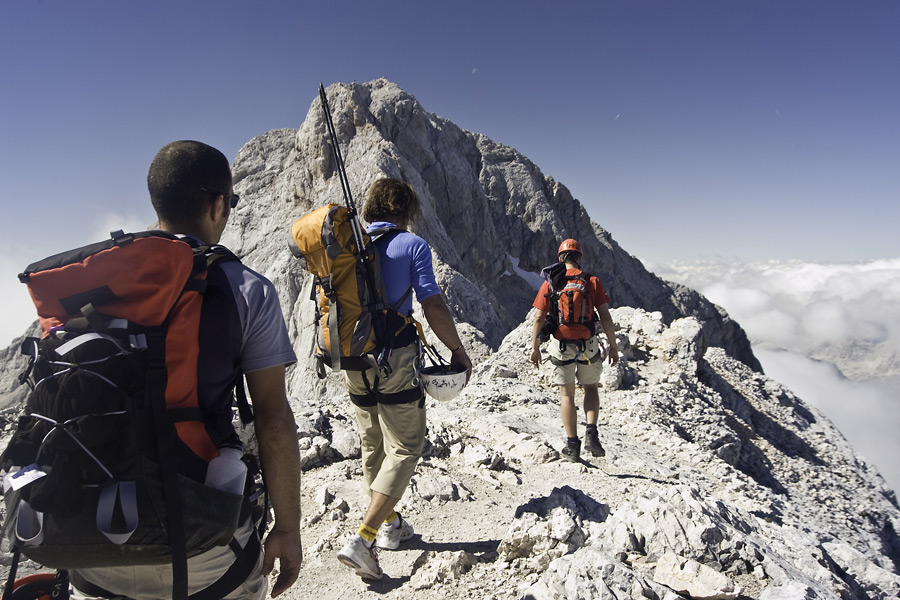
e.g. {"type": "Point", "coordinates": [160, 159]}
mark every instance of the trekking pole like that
{"type": "Point", "coordinates": [363, 249]}
{"type": "Point", "coordinates": [342, 171]}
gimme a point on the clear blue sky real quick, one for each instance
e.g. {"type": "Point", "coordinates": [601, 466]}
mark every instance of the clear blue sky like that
{"type": "Point", "coordinates": [707, 128]}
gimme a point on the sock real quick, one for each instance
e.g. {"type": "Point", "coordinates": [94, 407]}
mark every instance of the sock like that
{"type": "Point", "coordinates": [573, 441]}
{"type": "Point", "coordinates": [589, 428]}
{"type": "Point", "coordinates": [393, 519]}
{"type": "Point", "coordinates": [367, 534]}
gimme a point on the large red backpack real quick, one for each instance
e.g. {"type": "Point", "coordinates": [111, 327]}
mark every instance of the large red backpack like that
{"type": "Point", "coordinates": [570, 311]}
{"type": "Point", "coordinates": [109, 458]}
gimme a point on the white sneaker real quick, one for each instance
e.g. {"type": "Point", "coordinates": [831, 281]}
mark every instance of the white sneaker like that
{"type": "Point", "coordinates": [389, 537]}
{"type": "Point", "coordinates": [363, 560]}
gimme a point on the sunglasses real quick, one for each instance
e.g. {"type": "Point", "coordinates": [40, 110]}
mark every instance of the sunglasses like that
{"type": "Point", "coordinates": [234, 197]}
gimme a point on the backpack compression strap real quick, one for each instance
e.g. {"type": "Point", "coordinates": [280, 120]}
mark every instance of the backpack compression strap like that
{"type": "Point", "coordinates": [166, 439]}
{"type": "Point", "coordinates": [334, 333]}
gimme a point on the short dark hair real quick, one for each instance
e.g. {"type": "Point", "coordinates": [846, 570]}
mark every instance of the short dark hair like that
{"type": "Point", "coordinates": [389, 199]}
{"type": "Point", "coordinates": [184, 178]}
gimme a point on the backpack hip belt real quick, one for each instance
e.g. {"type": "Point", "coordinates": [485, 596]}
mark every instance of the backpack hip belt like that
{"type": "Point", "coordinates": [579, 354]}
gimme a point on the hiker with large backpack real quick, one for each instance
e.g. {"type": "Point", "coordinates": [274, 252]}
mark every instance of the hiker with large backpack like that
{"type": "Point", "coordinates": [126, 472]}
{"type": "Point", "coordinates": [569, 305]}
{"type": "Point", "coordinates": [388, 400]}
{"type": "Point", "coordinates": [364, 282]}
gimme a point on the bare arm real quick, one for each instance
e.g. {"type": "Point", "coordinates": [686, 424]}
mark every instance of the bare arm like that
{"type": "Point", "coordinates": [441, 321]}
{"type": "Point", "coordinates": [280, 456]}
{"type": "Point", "coordinates": [610, 330]}
{"type": "Point", "coordinates": [539, 318]}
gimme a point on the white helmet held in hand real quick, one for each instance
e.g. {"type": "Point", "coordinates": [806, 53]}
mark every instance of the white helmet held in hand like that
{"type": "Point", "coordinates": [442, 382]}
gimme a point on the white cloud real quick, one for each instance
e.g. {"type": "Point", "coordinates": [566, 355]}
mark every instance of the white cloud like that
{"type": "Point", "coordinates": [113, 222]}
{"type": "Point", "coordinates": [828, 311]}
{"type": "Point", "coordinates": [811, 324]}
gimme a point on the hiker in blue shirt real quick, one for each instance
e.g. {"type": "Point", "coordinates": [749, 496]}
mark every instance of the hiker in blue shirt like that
{"type": "Point", "coordinates": [390, 409]}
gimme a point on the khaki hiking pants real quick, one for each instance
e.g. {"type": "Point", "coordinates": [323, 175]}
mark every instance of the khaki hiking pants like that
{"type": "Point", "coordinates": [390, 414]}
{"type": "Point", "coordinates": [391, 439]}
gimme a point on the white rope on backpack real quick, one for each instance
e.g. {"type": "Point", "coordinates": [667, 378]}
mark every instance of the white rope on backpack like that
{"type": "Point", "coordinates": [57, 426]}
{"type": "Point", "coordinates": [74, 367]}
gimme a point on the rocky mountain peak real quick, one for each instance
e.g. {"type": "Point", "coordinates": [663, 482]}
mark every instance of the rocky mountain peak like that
{"type": "Point", "coordinates": [492, 218]}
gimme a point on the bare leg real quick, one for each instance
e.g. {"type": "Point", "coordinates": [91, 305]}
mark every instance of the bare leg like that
{"type": "Point", "coordinates": [568, 410]}
{"type": "Point", "coordinates": [380, 507]}
{"type": "Point", "coordinates": [591, 404]}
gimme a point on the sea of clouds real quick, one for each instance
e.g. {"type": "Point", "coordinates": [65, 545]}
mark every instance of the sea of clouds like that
{"type": "Point", "coordinates": [831, 333]}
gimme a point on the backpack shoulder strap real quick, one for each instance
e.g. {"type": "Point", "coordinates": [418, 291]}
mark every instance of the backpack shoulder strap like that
{"type": "Point", "coordinates": [586, 277]}
{"type": "Point", "coordinates": [216, 255]}
{"type": "Point", "coordinates": [382, 235]}
{"type": "Point", "coordinates": [583, 276]}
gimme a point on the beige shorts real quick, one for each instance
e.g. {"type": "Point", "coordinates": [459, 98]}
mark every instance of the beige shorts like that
{"type": "Point", "coordinates": [575, 363]}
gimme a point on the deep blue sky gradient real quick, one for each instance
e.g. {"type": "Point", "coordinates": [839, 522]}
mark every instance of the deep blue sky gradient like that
{"type": "Point", "coordinates": [697, 129]}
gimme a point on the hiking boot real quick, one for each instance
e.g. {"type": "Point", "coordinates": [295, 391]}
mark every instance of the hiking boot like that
{"type": "Point", "coordinates": [592, 444]}
{"type": "Point", "coordinates": [363, 560]}
{"type": "Point", "coordinates": [389, 537]}
{"type": "Point", "coordinates": [572, 451]}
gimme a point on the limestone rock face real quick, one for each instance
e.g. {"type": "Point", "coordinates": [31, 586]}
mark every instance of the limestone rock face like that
{"type": "Point", "coordinates": [491, 217]}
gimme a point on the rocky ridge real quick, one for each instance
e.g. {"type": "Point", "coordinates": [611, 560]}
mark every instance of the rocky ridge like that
{"type": "Point", "coordinates": [718, 483]}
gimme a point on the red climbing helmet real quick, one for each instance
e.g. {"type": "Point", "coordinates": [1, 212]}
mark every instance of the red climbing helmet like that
{"type": "Point", "coordinates": [569, 245]}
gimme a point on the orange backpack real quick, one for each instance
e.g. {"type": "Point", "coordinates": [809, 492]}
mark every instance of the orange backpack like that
{"type": "Point", "coordinates": [108, 462]}
{"type": "Point", "coordinates": [352, 316]}
{"type": "Point", "coordinates": [571, 309]}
